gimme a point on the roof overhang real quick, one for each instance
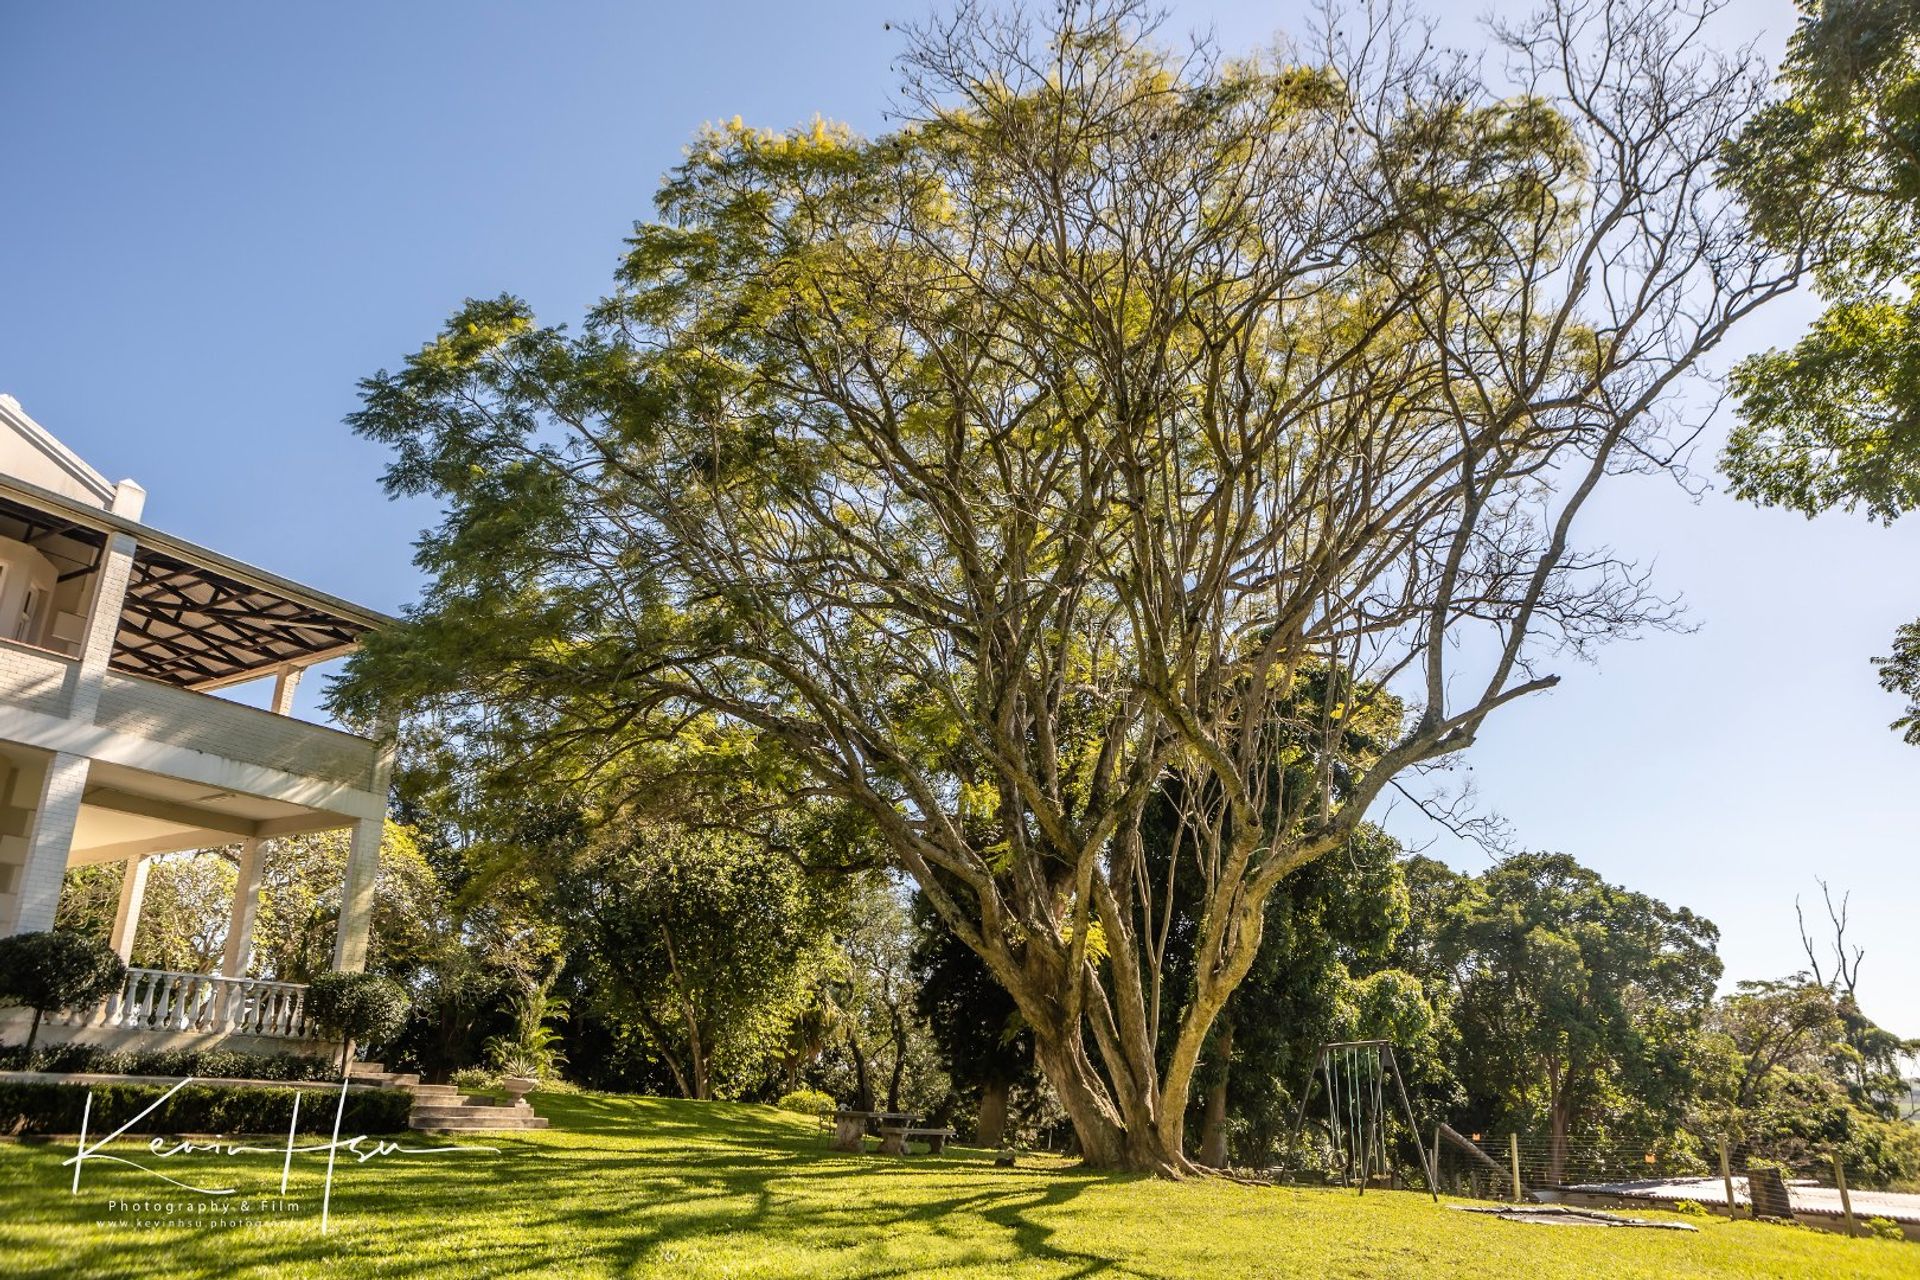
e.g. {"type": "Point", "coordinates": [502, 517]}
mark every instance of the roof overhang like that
{"type": "Point", "coordinates": [196, 618]}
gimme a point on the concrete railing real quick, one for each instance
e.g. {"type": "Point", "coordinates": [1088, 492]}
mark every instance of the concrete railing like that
{"type": "Point", "coordinates": [34, 679]}
{"type": "Point", "coordinates": [182, 718]}
{"type": "Point", "coordinates": [161, 1000]}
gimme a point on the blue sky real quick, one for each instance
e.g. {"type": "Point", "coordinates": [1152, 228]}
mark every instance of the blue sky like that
{"type": "Point", "coordinates": [218, 218]}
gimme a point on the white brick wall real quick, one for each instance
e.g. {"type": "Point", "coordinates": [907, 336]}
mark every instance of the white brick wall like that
{"type": "Point", "coordinates": [34, 680]}
{"type": "Point", "coordinates": [181, 718]}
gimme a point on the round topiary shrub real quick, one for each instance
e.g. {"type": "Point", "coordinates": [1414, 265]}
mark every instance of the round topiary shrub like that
{"type": "Point", "coordinates": [57, 971]}
{"type": "Point", "coordinates": [358, 1008]}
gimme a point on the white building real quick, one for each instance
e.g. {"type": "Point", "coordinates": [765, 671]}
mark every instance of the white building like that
{"type": "Point", "coordinates": [113, 636]}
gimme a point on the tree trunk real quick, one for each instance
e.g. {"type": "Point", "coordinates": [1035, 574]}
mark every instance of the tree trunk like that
{"type": "Point", "coordinates": [990, 1130]}
{"type": "Point", "coordinates": [1213, 1129]}
{"type": "Point", "coordinates": [33, 1033]}
{"type": "Point", "coordinates": [899, 1058]}
{"type": "Point", "coordinates": [863, 1100]}
{"type": "Point", "coordinates": [1558, 1124]}
{"type": "Point", "coordinates": [1106, 1141]}
{"type": "Point", "coordinates": [1127, 1113]}
{"type": "Point", "coordinates": [657, 1034]}
{"type": "Point", "coordinates": [696, 1052]}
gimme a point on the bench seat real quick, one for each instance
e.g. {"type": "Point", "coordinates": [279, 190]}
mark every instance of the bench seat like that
{"type": "Point", "coordinates": [894, 1139]}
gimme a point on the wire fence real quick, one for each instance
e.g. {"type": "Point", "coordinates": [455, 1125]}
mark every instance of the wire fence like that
{"type": "Point", "coordinates": [1489, 1163]}
{"type": "Point", "coordinates": [1498, 1166]}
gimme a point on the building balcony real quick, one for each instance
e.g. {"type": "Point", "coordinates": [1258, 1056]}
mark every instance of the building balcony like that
{"type": "Point", "coordinates": [180, 718]}
{"type": "Point", "coordinates": [149, 714]}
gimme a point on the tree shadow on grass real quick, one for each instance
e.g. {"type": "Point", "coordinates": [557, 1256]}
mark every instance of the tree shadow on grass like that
{"type": "Point", "coordinates": [618, 1186]}
{"type": "Point", "coordinates": [1035, 1240]}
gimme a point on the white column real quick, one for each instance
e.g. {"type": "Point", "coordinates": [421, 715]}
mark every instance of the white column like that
{"type": "Point", "coordinates": [109, 595]}
{"type": "Point", "coordinates": [246, 909]}
{"type": "Point", "coordinates": [284, 683]}
{"type": "Point", "coordinates": [50, 841]}
{"type": "Point", "coordinates": [356, 896]}
{"type": "Point", "coordinates": [126, 921]}
{"type": "Point", "coordinates": [66, 779]}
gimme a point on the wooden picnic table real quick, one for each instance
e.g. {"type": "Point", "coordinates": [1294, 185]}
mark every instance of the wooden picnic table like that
{"type": "Point", "coordinates": [849, 1126]}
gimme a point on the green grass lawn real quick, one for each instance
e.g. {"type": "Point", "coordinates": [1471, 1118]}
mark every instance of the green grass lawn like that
{"type": "Point", "coordinates": [651, 1187]}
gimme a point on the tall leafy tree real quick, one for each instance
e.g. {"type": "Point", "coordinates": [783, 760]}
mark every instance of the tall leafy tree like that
{"type": "Point", "coordinates": [1578, 1001]}
{"type": "Point", "coordinates": [1832, 170]}
{"type": "Point", "coordinates": [708, 940]}
{"type": "Point", "coordinates": [186, 910]}
{"type": "Point", "coordinates": [1777, 1026]}
{"type": "Point", "coordinates": [984, 474]}
{"type": "Point", "coordinates": [1801, 1091]}
{"type": "Point", "coordinates": [1872, 1058]}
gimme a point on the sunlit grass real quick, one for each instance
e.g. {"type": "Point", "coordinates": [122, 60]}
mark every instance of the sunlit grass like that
{"type": "Point", "coordinates": [652, 1187]}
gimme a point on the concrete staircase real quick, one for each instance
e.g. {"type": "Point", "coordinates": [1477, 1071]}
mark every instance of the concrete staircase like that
{"type": "Point", "coordinates": [441, 1108]}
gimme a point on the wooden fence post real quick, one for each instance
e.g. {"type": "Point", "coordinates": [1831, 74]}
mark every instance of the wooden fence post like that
{"type": "Point", "coordinates": [1846, 1201]}
{"type": "Point", "coordinates": [1366, 1156]}
{"type": "Point", "coordinates": [1726, 1176]}
{"type": "Point", "coordinates": [1513, 1157]}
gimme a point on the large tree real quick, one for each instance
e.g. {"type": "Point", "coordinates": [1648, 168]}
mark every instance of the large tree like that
{"type": "Point", "coordinates": [1577, 1000]}
{"type": "Point", "coordinates": [987, 474]}
{"type": "Point", "coordinates": [1832, 170]}
{"type": "Point", "coordinates": [707, 940]}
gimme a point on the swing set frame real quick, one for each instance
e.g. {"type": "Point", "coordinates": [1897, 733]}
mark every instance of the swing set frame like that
{"type": "Point", "coordinates": [1365, 1104]}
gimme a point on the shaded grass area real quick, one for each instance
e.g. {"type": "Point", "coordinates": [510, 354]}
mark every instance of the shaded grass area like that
{"type": "Point", "coordinates": [655, 1187]}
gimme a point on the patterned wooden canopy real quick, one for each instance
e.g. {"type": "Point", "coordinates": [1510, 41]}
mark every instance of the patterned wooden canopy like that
{"type": "Point", "coordinates": [187, 624]}
{"type": "Point", "coordinates": [192, 616]}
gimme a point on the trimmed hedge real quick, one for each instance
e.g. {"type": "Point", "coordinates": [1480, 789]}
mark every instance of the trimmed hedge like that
{"type": "Point", "coordinates": [218, 1063]}
{"type": "Point", "coordinates": [42, 1107]}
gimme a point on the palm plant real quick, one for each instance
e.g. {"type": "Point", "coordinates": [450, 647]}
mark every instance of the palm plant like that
{"type": "Point", "coordinates": [532, 1049]}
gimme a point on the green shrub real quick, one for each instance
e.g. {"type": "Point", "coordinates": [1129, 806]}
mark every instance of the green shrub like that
{"type": "Point", "coordinates": [224, 1109]}
{"type": "Point", "coordinates": [55, 971]}
{"type": "Point", "coordinates": [808, 1102]}
{"type": "Point", "coordinates": [1885, 1229]}
{"type": "Point", "coordinates": [357, 1007]}
{"type": "Point", "coordinates": [1692, 1208]}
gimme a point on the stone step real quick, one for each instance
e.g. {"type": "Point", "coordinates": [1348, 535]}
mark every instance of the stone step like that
{"type": "Point", "coordinates": [365, 1068]}
{"type": "Point", "coordinates": [466, 1110]}
{"type": "Point", "coordinates": [468, 1123]}
{"type": "Point", "coordinates": [402, 1079]}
